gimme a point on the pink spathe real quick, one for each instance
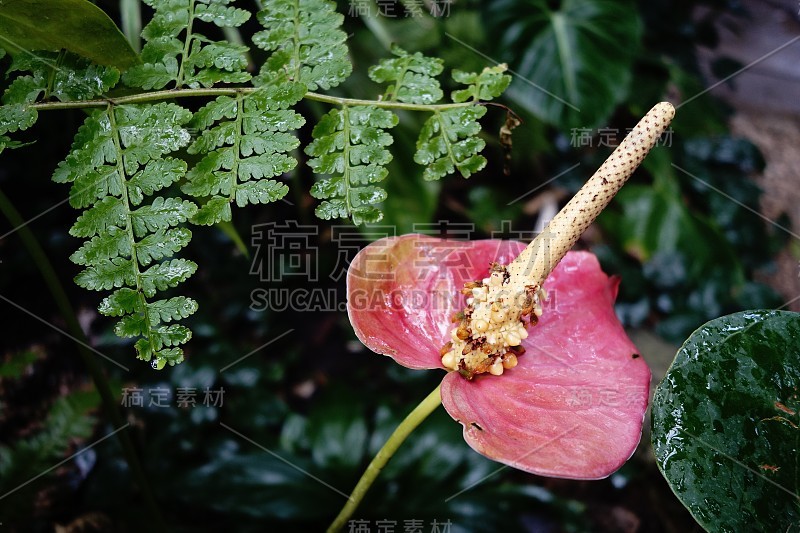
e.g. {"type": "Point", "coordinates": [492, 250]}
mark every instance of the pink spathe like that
{"type": "Point", "coordinates": [573, 406]}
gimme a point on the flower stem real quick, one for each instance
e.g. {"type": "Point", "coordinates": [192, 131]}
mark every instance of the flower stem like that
{"type": "Point", "coordinates": [414, 419]}
{"type": "Point", "coordinates": [536, 262]}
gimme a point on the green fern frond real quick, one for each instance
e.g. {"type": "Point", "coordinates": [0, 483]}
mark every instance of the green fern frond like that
{"type": "Point", "coordinates": [411, 77]}
{"type": "Point", "coordinates": [59, 75]}
{"type": "Point", "coordinates": [306, 42]}
{"type": "Point", "coordinates": [350, 145]}
{"type": "Point", "coordinates": [16, 117]}
{"type": "Point", "coordinates": [487, 85]}
{"type": "Point", "coordinates": [175, 53]}
{"type": "Point", "coordinates": [448, 141]}
{"type": "Point", "coordinates": [63, 76]}
{"type": "Point", "coordinates": [246, 140]}
{"type": "Point", "coordinates": [117, 162]}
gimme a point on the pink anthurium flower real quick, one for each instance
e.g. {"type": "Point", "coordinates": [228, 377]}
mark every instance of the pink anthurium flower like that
{"type": "Point", "coordinates": [558, 391]}
{"type": "Point", "coordinates": [573, 405]}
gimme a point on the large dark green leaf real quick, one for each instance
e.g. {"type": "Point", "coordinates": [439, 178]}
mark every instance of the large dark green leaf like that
{"type": "Point", "coordinates": [572, 62]}
{"type": "Point", "coordinates": [725, 422]}
{"type": "Point", "coordinates": [76, 25]}
{"type": "Point", "coordinates": [653, 221]}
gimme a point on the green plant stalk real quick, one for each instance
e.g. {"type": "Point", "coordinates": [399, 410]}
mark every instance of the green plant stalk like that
{"type": "Point", "coordinates": [89, 359]}
{"type": "Point", "coordinates": [171, 94]}
{"type": "Point", "coordinates": [131, 17]}
{"type": "Point", "coordinates": [409, 424]}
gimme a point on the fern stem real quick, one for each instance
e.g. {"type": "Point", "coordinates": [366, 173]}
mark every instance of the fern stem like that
{"type": "Point", "coordinates": [236, 148]}
{"type": "Point", "coordinates": [89, 359]}
{"type": "Point", "coordinates": [447, 142]}
{"type": "Point", "coordinates": [346, 157]}
{"type": "Point", "coordinates": [129, 224]}
{"type": "Point", "coordinates": [186, 45]}
{"type": "Point", "coordinates": [296, 63]}
{"type": "Point", "coordinates": [171, 94]}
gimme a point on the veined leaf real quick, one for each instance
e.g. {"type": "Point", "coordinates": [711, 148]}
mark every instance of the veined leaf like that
{"type": "Point", "coordinates": [93, 147]}
{"type": "Point", "coordinates": [148, 132]}
{"type": "Point", "coordinates": [117, 162]}
{"type": "Point", "coordinates": [131, 326]}
{"type": "Point", "coordinates": [576, 58]}
{"type": "Point", "coordinates": [16, 117]}
{"type": "Point", "coordinates": [107, 274]}
{"type": "Point", "coordinates": [193, 61]}
{"type": "Point", "coordinates": [349, 144]}
{"type": "Point", "coordinates": [245, 142]}
{"type": "Point", "coordinates": [60, 75]}
{"type": "Point", "coordinates": [163, 213]}
{"type": "Point", "coordinates": [260, 192]}
{"type": "Point", "coordinates": [161, 244]}
{"type": "Point", "coordinates": [488, 85]}
{"type": "Point", "coordinates": [166, 275]}
{"type": "Point", "coordinates": [412, 77]}
{"type": "Point", "coordinates": [726, 426]}
{"type": "Point", "coordinates": [147, 350]}
{"type": "Point", "coordinates": [215, 210]}
{"type": "Point", "coordinates": [154, 177]}
{"type": "Point", "coordinates": [306, 42]}
{"type": "Point", "coordinates": [94, 185]}
{"type": "Point", "coordinates": [106, 213]}
{"type": "Point", "coordinates": [75, 25]}
{"type": "Point", "coordinates": [121, 302]}
{"type": "Point", "coordinates": [171, 309]}
{"type": "Point", "coordinates": [113, 242]}
{"type": "Point", "coordinates": [172, 335]}
{"type": "Point", "coordinates": [448, 143]}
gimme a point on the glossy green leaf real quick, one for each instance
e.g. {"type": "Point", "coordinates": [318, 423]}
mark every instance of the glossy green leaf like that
{"type": "Point", "coordinates": [75, 25]}
{"type": "Point", "coordinates": [654, 221]}
{"type": "Point", "coordinates": [161, 244]}
{"type": "Point", "coordinates": [487, 85]}
{"type": "Point", "coordinates": [412, 77]}
{"type": "Point", "coordinates": [573, 62]}
{"type": "Point", "coordinates": [175, 52]}
{"type": "Point", "coordinates": [116, 163]}
{"type": "Point", "coordinates": [726, 429]}
{"type": "Point", "coordinates": [306, 43]}
{"type": "Point", "coordinates": [120, 302]}
{"type": "Point", "coordinates": [245, 141]}
{"type": "Point", "coordinates": [350, 145]}
{"type": "Point", "coordinates": [448, 143]}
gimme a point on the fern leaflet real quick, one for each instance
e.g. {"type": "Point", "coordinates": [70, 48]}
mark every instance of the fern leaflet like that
{"type": "Point", "coordinates": [487, 85]}
{"type": "Point", "coordinates": [193, 61]}
{"type": "Point", "coordinates": [60, 75]}
{"type": "Point", "coordinates": [412, 77]}
{"type": "Point", "coordinates": [448, 141]}
{"type": "Point", "coordinates": [350, 145]}
{"type": "Point", "coordinates": [245, 140]}
{"type": "Point", "coordinates": [306, 42]}
{"type": "Point", "coordinates": [117, 162]}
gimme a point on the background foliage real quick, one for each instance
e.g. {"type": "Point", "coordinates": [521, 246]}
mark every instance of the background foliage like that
{"type": "Point", "coordinates": [315, 397]}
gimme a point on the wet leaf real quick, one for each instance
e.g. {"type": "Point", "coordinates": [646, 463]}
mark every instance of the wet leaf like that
{"type": "Point", "coordinates": [572, 63]}
{"type": "Point", "coordinates": [76, 25]}
{"type": "Point", "coordinates": [726, 429]}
